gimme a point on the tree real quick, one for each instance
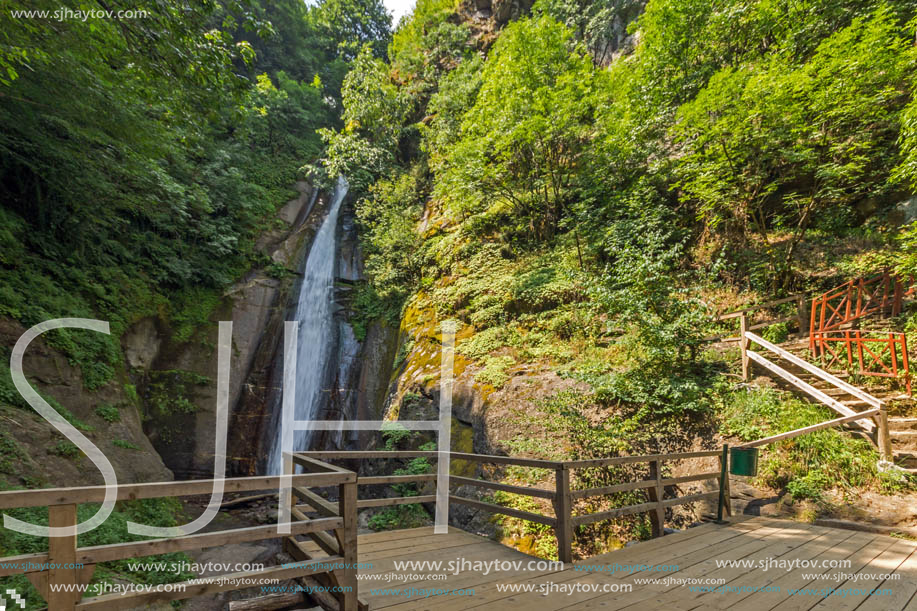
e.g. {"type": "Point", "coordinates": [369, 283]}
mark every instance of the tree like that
{"type": "Point", "coordinates": [772, 145]}
{"type": "Point", "coordinates": [350, 25]}
{"type": "Point", "coordinates": [521, 142]}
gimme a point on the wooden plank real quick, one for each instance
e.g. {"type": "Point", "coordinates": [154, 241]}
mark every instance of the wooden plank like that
{"type": "Point", "coordinates": [886, 562]}
{"type": "Point", "coordinates": [125, 492]}
{"type": "Point", "coordinates": [641, 508]}
{"type": "Point", "coordinates": [833, 548]}
{"type": "Point", "coordinates": [523, 490]}
{"type": "Point", "coordinates": [810, 429]}
{"type": "Point", "coordinates": [369, 454]}
{"type": "Point", "coordinates": [612, 513]}
{"type": "Point", "coordinates": [776, 321]}
{"type": "Point", "coordinates": [621, 460]}
{"type": "Point", "coordinates": [349, 542]}
{"type": "Point", "coordinates": [699, 477]}
{"type": "Point", "coordinates": [625, 487]}
{"type": "Point", "coordinates": [767, 542]}
{"type": "Point", "coordinates": [507, 460]}
{"type": "Point", "coordinates": [203, 586]}
{"type": "Point", "coordinates": [657, 515]}
{"type": "Point", "coordinates": [322, 539]}
{"type": "Point", "coordinates": [563, 512]}
{"type": "Point", "coordinates": [396, 479]}
{"type": "Point", "coordinates": [62, 552]}
{"type": "Point", "coordinates": [858, 559]}
{"type": "Point", "coordinates": [817, 371]}
{"type": "Point", "coordinates": [903, 589]}
{"type": "Point", "coordinates": [822, 539]}
{"type": "Point", "coordinates": [808, 388]}
{"type": "Point", "coordinates": [645, 553]}
{"type": "Point", "coordinates": [692, 558]}
{"type": "Point", "coordinates": [321, 505]}
{"type": "Point", "coordinates": [118, 551]}
{"type": "Point", "coordinates": [398, 500]}
{"type": "Point", "coordinates": [507, 511]}
{"type": "Point", "coordinates": [32, 560]}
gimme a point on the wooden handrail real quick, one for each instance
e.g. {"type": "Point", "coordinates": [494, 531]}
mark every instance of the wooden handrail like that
{"type": "Point", "coordinates": [801, 318]}
{"type": "Point", "coordinates": [63, 555]}
{"type": "Point", "coordinates": [760, 306]}
{"type": "Point", "coordinates": [817, 371]}
{"type": "Point", "coordinates": [810, 429]}
{"type": "Point", "coordinates": [128, 492]}
{"type": "Point", "coordinates": [562, 496]}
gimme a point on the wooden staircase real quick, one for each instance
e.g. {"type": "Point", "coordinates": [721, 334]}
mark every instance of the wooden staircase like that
{"type": "Point", "coordinates": [829, 345]}
{"type": "Point", "coordinates": [902, 417]}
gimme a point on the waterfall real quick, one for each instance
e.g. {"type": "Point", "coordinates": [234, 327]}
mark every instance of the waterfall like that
{"type": "Point", "coordinates": [314, 309]}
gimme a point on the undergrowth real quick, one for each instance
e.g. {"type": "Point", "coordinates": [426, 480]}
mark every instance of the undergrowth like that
{"type": "Point", "coordinates": [809, 465]}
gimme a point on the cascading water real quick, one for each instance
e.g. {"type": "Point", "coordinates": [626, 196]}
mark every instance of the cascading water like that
{"type": "Point", "coordinates": [314, 310]}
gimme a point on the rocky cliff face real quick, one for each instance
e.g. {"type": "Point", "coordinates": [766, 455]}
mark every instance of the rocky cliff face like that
{"type": "Point", "coordinates": [33, 453]}
{"type": "Point", "coordinates": [176, 380]}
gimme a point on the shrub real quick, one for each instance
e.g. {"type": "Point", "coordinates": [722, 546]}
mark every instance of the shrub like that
{"type": "Point", "coordinates": [108, 413]}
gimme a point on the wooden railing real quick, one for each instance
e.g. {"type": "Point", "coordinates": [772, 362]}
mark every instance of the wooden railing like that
{"type": "Point", "coordinates": [873, 420]}
{"type": "Point", "coordinates": [751, 319]}
{"type": "Point", "coordinates": [64, 552]}
{"type": "Point", "coordinates": [562, 497]}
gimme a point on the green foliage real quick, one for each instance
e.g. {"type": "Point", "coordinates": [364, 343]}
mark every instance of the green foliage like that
{"type": "Point", "coordinates": [776, 334]}
{"type": "Point", "coordinates": [9, 451]}
{"type": "Point", "coordinates": [154, 512]}
{"type": "Point", "coordinates": [495, 370]}
{"type": "Point", "coordinates": [537, 538]}
{"type": "Point", "coordinates": [351, 24]}
{"type": "Point", "coordinates": [171, 392]}
{"type": "Point", "coordinates": [127, 445]}
{"type": "Point", "coordinates": [108, 413]}
{"type": "Point", "coordinates": [392, 247]}
{"type": "Point", "coordinates": [599, 25]}
{"type": "Point", "coordinates": [774, 143]}
{"type": "Point", "coordinates": [65, 449]}
{"type": "Point", "coordinates": [412, 515]}
{"type": "Point", "coordinates": [521, 139]}
{"type": "Point", "coordinates": [142, 157]}
{"type": "Point", "coordinates": [398, 517]}
{"type": "Point", "coordinates": [808, 465]}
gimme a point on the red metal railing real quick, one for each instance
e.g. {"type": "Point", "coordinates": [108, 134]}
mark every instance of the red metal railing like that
{"type": "Point", "coordinates": [854, 299]}
{"type": "Point", "coordinates": [878, 354]}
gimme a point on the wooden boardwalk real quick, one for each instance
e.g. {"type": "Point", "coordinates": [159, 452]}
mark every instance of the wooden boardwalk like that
{"type": "Point", "coordinates": [695, 552]}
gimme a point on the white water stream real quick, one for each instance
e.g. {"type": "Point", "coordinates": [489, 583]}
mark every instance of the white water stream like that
{"type": "Point", "coordinates": [314, 309]}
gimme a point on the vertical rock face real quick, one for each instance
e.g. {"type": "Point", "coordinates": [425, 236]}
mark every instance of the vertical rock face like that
{"type": "Point", "coordinates": [176, 380]}
{"type": "Point", "coordinates": [33, 453]}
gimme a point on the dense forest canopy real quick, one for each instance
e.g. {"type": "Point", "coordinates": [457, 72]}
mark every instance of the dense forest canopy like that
{"type": "Point", "coordinates": [607, 167]}
{"type": "Point", "coordinates": [140, 157]}
{"type": "Point", "coordinates": [580, 185]}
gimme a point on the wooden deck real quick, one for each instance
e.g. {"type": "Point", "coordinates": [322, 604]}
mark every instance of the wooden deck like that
{"type": "Point", "coordinates": [694, 551]}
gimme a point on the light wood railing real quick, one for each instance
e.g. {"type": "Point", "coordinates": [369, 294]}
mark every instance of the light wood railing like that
{"type": "Point", "coordinates": [64, 555]}
{"type": "Point", "coordinates": [750, 318]}
{"type": "Point", "coordinates": [562, 496]}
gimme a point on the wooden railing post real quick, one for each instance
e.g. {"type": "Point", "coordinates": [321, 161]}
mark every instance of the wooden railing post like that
{"type": "Point", "coordinates": [743, 344]}
{"type": "Point", "coordinates": [882, 435]}
{"type": "Point", "coordinates": [347, 577]}
{"type": "Point", "coordinates": [801, 315]}
{"type": "Point", "coordinates": [62, 553]}
{"type": "Point", "coordinates": [563, 512]}
{"type": "Point", "coordinates": [657, 515]}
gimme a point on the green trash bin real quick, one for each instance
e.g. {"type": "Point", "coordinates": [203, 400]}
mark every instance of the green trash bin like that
{"type": "Point", "coordinates": [743, 461]}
